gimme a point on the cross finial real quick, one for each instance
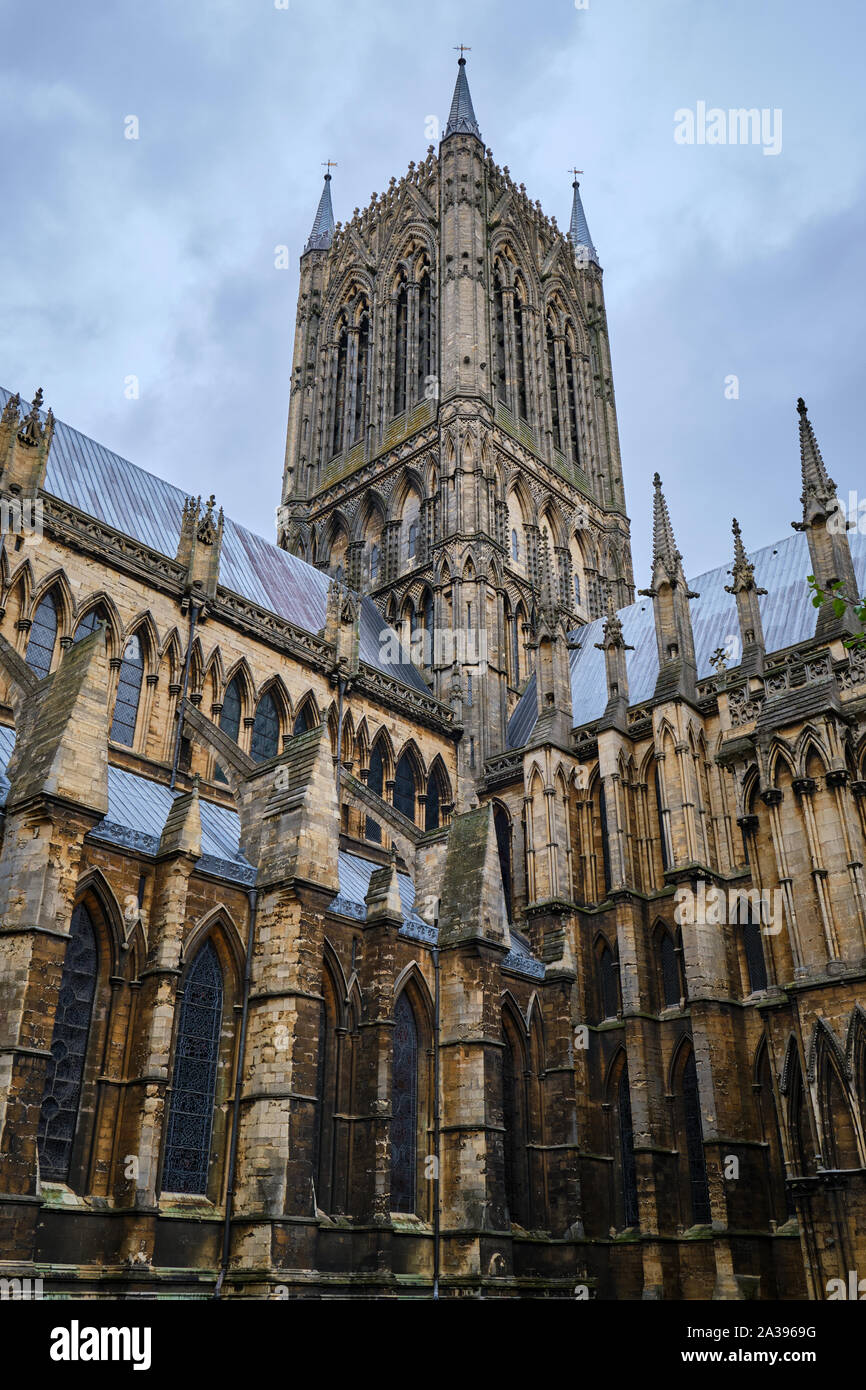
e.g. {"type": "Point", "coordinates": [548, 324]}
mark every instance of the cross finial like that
{"type": "Point", "coordinates": [461, 48]}
{"type": "Point", "coordinates": [575, 172]}
{"type": "Point", "coordinates": [328, 165]}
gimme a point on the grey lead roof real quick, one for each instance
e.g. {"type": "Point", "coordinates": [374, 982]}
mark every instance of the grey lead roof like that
{"type": "Point", "coordinates": [108, 487]}
{"type": "Point", "coordinates": [461, 118]}
{"type": "Point", "coordinates": [322, 235]}
{"type": "Point", "coordinates": [579, 231]}
{"type": "Point", "coordinates": [787, 616]}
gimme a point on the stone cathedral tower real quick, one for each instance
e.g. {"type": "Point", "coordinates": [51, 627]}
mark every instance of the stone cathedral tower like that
{"type": "Point", "coordinates": [452, 442]}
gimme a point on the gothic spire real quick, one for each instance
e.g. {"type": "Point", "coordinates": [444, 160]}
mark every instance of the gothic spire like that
{"type": "Point", "coordinates": [817, 484]}
{"type": "Point", "coordinates": [461, 118]}
{"type": "Point", "coordinates": [322, 235]}
{"type": "Point", "coordinates": [746, 592]}
{"type": "Point", "coordinates": [664, 544]}
{"type": "Point", "coordinates": [578, 232]}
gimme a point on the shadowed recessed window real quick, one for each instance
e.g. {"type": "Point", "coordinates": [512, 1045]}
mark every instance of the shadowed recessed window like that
{"type": "Point", "coordinates": [265, 742]}
{"type": "Point", "coordinates": [404, 1107]}
{"type": "Point", "coordinates": [128, 693]}
{"type": "Point", "coordinates": [187, 1146]}
{"type": "Point", "coordinates": [700, 1194]}
{"type": "Point", "coordinates": [64, 1073]}
{"type": "Point", "coordinates": [303, 720]}
{"type": "Point", "coordinates": [43, 635]}
{"type": "Point", "coordinates": [626, 1152]}
{"type": "Point", "coordinates": [376, 782]}
{"type": "Point", "coordinates": [404, 787]}
{"type": "Point", "coordinates": [230, 719]}
{"type": "Point", "coordinates": [90, 622]}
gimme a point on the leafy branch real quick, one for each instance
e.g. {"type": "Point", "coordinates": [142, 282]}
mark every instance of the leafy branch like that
{"type": "Point", "coordinates": [841, 602]}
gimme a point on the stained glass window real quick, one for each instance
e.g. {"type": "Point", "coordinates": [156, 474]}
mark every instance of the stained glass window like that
{"type": "Point", "coordinates": [626, 1150]}
{"type": "Point", "coordinates": [404, 1108]}
{"type": "Point", "coordinates": [188, 1135]}
{"type": "Point", "coordinates": [230, 719]}
{"type": "Point", "coordinates": [431, 813]}
{"type": "Point", "coordinates": [695, 1143]}
{"type": "Point", "coordinates": [376, 782]}
{"type": "Point", "coordinates": [404, 787]}
{"type": "Point", "coordinates": [303, 720]}
{"type": "Point", "coordinates": [90, 622]}
{"type": "Point", "coordinates": [43, 635]}
{"type": "Point", "coordinates": [61, 1095]}
{"type": "Point", "coordinates": [128, 694]}
{"type": "Point", "coordinates": [265, 742]}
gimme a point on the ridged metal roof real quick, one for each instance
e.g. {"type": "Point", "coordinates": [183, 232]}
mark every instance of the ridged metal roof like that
{"type": "Point", "coordinates": [355, 874]}
{"type": "Point", "coordinates": [787, 616]}
{"type": "Point", "coordinates": [108, 487]}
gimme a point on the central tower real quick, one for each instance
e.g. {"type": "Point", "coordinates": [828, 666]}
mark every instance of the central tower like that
{"type": "Point", "coordinates": [452, 443]}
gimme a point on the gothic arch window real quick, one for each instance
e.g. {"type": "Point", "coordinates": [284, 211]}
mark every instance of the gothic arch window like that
{"type": "Point", "coordinates": [608, 981]}
{"type": "Point", "coordinates": [43, 635]}
{"type": "Point", "coordinates": [265, 742]}
{"type": "Point", "coordinates": [753, 942]}
{"type": "Point", "coordinates": [670, 971]}
{"type": "Point", "coordinates": [605, 848]}
{"type": "Point", "coordinates": [798, 1118]}
{"type": "Point", "coordinates": [230, 714]}
{"type": "Point", "coordinates": [401, 329]}
{"type": "Point", "coordinates": [404, 787]}
{"type": "Point", "coordinates": [374, 563]}
{"type": "Point", "coordinates": [520, 358]}
{"type": "Point", "coordinates": [553, 385]}
{"type": "Point", "coordinates": [425, 334]}
{"type": "Point", "coordinates": [128, 693]}
{"type": "Point", "coordinates": [90, 622]}
{"type": "Point", "coordinates": [663, 845]}
{"type": "Point", "coordinates": [625, 1135]}
{"type": "Point", "coordinates": [502, 826]}
{"type": "Point", "coordinates": [340, 388]}
{"type": "Point", "coordinates": [361, 375]}
{"type": "Point", "coordinates": [404, 1108]}
{"type": "Point", "coordinates": [499, 338]}
{"type": "Point", "coordinates": [514, 1124]}
{"type": "Point", "coordinates": [327, 1086]}
{"type": "Point", "coordinates": [376, 783]}
{"type": "Point", "coordinates": [571, 400]}
{"type": "Point", "coordinates": [438, 792]}
{"type": "Point", "coordinates": [190, 1119]}
{"type": "Point", "coordinates": [577, 597]}
{"type": "Point", "coordinates": [515, 545]}
{"type": "Point", "coordinates": [412, 540]}
{"type": "Point", "coordinates": [840, 1142]}
{"type": "Point", "coordinates": [304, 719]}
{"type": "Point", "coordinates": [694, 1142]}
{"type": "Point", "coordinates": [780, 1201]}
{"type": "Point", "coordinates": [64, 1073]}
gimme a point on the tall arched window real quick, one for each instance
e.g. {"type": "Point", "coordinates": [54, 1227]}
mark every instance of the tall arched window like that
{"type": "Point", "coordinates": [577, 589]}
{"type": "Point", "coordinates": [193, 1086]}
{"type": "Point", "coordinates": [404, 787]}
{"type": "Point", "coordinates": [798, 1118]}
{"type": "Point", "coordinates": [374, 563]}
{"type": "Point", "coordinates": [608, 983]}
{"type": "Point", "coordinates": [520, 364]}
{"type": "Point", "coordinates": [401, 314]}
{"type": "Point", "coordinates": [515, 545]}
{"type": "Point", "coordinates": [626, 1152]}
{"type": "Point", "coordinates": [700, 1194]}
{"type": "Point", "coordinates": [304, 720]}
{"type": "Point", "coordinates": [90, 622]}
{"type": "Point", "coordinates": [361, 375]}
{"type": "Point", "coordinates": [514, 1124]}
{"type": "Point", "coordinates": [553, 386]}
{"type": "Point", "coordinates": [412, 540]}
{"type": "Point", "coordinates": [128, 693]}
{"type": "Point", "coordinates": [499, 335]}
{"type": "Point", "coordinates": [340, 389]}
{"type": "Point", "coordinates": [265, 742]}
{"type": "Point", "coordinates": [404, 1108]}
{"type": "Point", "coordinates": [502, 826]}
{"type": "Point", "coordinates": [605, 848]}
{"type": "Point", "coordinates": [780, 1201]}
{"type": "Point", "coordinates": [376, 782]}
{"type": "Point", "coordinates": [754, 946]}
{"type": "Point", "coordinates": [671, 990]}
{"type": "Point", "coordinates": [432, 804]}
{"type": "Point", "coordinates": [327, 1084]}
{"type": "Point", "coordinates": [64, 1073]}
{"type": "Point", "coordinates": [230, 714]}
{"type": "Point", "coordinates": [571, 395]}
{"type": "Point", "coordinates": [425, 335]}
{"type": "Point", "coordinates": [43, 635]}
{"type": "Point", "coordinates": [515, 650]}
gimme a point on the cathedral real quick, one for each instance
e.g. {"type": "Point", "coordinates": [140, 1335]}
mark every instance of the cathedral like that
{"type": "Point", "coordinates": [411, 907]}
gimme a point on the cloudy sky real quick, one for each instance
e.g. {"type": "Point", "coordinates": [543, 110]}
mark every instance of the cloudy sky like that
{"type": "Point", "coordinates": [155, 257]}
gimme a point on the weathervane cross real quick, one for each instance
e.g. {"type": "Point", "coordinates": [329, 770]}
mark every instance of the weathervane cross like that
{"type": "Point", "coordinates": [329, 164]}
{"type": "Point", "coordinates": [575, 172]}
{"type": "Point", "coordinates": [461, 48]}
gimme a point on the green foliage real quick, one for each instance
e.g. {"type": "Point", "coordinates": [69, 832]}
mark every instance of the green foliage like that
{"type": "Point", "coordinates": [841, 601]}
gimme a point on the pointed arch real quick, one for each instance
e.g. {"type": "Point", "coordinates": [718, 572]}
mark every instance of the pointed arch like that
{"type": "Point", "coordinates": [307, 714]}
{"type": "Point", "coordinates": [189, 1125]}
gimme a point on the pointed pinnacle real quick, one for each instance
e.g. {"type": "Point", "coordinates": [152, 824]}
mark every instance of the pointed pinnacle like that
{"type": "Point", "coordinates": [322, 235]}
{"type": "Point", "coordinates": [664, 544]}
{"type": "Point", "coordinates": [578, 231]}
{"type": "Point", "coordinates": [461, 118]}
{"type": "Point", "coordinates": [815, 477]}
